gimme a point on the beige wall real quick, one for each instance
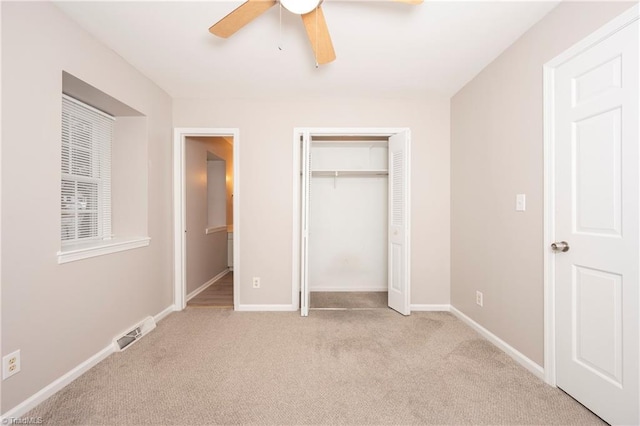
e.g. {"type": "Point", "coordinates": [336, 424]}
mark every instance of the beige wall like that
{"type": "Point", "coordinates": [129, 182]}
{"type": "Point", "coordinates": [496, 153]}
{"type": "Point", "coordinates": [206, 254]}
{"type": "Point", "coordinates": [266, 181]}
{"type": "Point", "coordinates": [60, 315]}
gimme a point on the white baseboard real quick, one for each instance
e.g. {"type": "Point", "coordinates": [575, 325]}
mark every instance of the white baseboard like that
{"type": "Point", "coordinates": [265, 308]}
{"type": "Point", "coordinates": [339, 289]}
{"type": "Point", "coordinates": [521, 359]}
{"type": "Point", "coordinates": [58, 384]}
{"type": "Point", "coordinates": [168, 310]}
{"type": "Point", "coordinates": [430, 308]}
{"type": "Point", "coordinates": [206, 285]}
{"type": "Point", "coordinates": [55, 386]}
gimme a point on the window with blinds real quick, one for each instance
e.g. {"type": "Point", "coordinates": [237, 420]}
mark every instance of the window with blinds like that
{"type": "Point", "coordinates": [85, 196]}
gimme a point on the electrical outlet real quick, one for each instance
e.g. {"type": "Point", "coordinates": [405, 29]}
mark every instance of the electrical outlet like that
{"type": "Point", "coordinates": [256, 282]}
{"type": "Point", "coordinates": [479, 298]}
{"type": "Point", "coordinates": [10, 364]}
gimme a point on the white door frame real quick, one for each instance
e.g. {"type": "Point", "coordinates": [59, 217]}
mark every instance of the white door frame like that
{"type": "Point", "coordinates": [297, 170]}
{"type": "Point", "coordinates": [179, 209]}
{"type": "Point", "coordinates": [601, 34]}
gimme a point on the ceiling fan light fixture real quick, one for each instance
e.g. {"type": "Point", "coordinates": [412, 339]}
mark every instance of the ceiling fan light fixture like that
{"type": "Point", "coordinates": [300, 7]}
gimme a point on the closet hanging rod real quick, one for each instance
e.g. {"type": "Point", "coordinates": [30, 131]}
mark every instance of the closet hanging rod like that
{"type": "Point", "coordinates": [344, 138]}
{"type": "Point", "coordinates": [339, 173]}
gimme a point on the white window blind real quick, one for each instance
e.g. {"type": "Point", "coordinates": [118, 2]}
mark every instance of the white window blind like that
{"type": "Point", "coordinates": [86, 172]}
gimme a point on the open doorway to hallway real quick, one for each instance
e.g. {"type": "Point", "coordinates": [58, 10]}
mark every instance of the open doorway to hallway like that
{"type": "Point", "coordinates": [208, 186]}
{"type": "Point", "coordinates": [205, 171]}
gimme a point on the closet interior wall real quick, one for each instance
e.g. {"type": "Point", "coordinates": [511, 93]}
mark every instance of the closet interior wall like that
{"type": "Point", "coordinates": [348, 209]}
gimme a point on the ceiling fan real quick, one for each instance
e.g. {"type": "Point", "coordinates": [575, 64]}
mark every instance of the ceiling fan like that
{"type": "Point", "coordinates": [309, 10]}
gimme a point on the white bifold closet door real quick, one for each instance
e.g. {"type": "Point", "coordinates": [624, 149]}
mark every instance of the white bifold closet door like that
{"type": "Point", "coordinates": [398, 283]}
{"type": "Point", "coordinates": [398, 223]}
{"type": "Point", "coordinates": [304, 224]}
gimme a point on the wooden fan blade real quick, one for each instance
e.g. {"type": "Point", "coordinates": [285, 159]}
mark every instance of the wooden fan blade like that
{"type": "Point", "coordinates": [240, 17]}
{"type": "Point", "coordinates": [319, 36]}
{"type": "Point", "coordinates": [411, 1]}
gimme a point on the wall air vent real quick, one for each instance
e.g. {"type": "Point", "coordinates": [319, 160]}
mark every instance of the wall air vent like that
{"type": "Point", "coordinates": [126, 339]}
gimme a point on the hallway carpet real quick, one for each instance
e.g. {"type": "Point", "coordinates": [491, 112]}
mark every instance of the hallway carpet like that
{"type": "Point", "coordinates": [202, 366]}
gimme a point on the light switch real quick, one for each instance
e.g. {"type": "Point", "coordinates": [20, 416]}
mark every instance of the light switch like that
{"type": "Point", "coordinates": [521, 202]}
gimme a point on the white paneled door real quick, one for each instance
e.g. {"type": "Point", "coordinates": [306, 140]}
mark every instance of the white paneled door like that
{"type": "Point", "coordinates": [398, 282]}
{"type": "Point", "coordinates": [596, 256]}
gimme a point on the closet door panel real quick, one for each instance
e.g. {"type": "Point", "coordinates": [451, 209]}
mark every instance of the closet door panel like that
{"type": "Point", "coordinates": [398, 281]}
{"type": "Point", "coordinates": [304, 231]}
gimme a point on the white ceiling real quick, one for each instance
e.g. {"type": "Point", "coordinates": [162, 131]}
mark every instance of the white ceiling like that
{"type": "Point", "coordinates": [383, 48]}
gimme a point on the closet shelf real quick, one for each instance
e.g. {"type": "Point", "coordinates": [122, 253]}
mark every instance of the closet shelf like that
{"type": "Point", "coordinates": [338, 173]}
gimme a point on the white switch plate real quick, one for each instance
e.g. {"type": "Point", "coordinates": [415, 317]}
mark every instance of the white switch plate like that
{"type": "Point", "coordinates": [521, 202]}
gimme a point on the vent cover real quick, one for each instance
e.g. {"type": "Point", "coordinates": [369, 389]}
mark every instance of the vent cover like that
{"type": "Point", "coordinates": [126, 339]}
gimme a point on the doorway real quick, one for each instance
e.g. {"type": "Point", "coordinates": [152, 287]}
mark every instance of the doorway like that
{"type": "Point", "coordinates": [206, 231]}
{"type": "Point", "coordinates": [592, 221]}
{"type": "Point", "coordinates": [351, 219]}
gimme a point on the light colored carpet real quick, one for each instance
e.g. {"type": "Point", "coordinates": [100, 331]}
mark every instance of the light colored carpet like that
{"type": "Point", "coordinates": [347, 299]}
{"type": "Point", "coordinates": [203, 366]}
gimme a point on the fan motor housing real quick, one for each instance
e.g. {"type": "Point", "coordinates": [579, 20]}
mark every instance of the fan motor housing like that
{"type": "Point", "coordinates": [300, 7]}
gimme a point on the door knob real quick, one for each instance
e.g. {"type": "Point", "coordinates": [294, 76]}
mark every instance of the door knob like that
{"type": "Point", "coordinates": [560, 247]}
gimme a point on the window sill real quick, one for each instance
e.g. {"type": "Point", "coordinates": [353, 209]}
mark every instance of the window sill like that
{"type": "Point", "coordinates": [214, 229]}
{"type": "Point", "coordinates": [80, 251]}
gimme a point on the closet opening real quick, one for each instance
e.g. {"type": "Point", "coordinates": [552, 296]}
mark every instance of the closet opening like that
{"type": "Point", "coordinates": [351, 238]}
